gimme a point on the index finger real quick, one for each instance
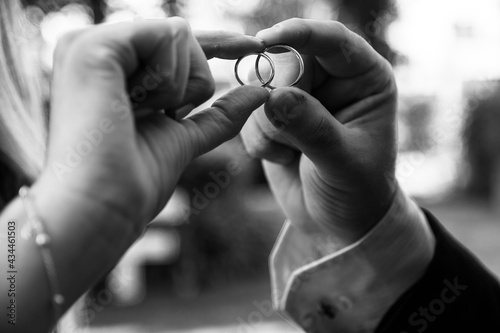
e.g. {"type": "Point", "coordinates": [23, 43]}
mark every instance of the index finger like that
{"type": "Point", "coordinates": [227, 44]}
{"type": "Point", "coordinates": [341, 52]}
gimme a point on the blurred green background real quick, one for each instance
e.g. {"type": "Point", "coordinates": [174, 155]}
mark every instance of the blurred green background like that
{"type": "Point", "coordinates": [202, 266]}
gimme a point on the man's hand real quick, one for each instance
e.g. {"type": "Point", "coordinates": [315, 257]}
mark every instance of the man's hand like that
{"type": "Point", "coordinates": [330, 143]}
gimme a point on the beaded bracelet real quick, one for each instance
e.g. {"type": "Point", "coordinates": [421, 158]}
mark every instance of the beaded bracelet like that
{"type": "Point", "coordinates": [42, 239]}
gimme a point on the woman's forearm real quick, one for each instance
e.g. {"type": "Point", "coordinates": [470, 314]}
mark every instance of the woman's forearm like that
{"type": "Point", "coordinates": [86, 242]}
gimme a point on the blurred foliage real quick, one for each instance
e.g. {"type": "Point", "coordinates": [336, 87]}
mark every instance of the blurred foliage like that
{"type": "Point", "coordinates": [482, 138]}
{"type": "Point", "coordinates": [369, 18]}
{"type": "Point", "coordinates": [98, 8]}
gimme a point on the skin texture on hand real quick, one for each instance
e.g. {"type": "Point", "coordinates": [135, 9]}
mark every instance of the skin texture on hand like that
{"type": "Point", "coordinates": [329, 144]}
{"type": "Point", "coordinates": [115, 79]}
{"type": "Point", "coordinates": [114, 157]}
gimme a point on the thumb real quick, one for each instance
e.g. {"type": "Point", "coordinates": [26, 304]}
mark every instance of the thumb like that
{"type": "Point", "coordinates": [211, 127]}
{"type": "Point", "coordinates": [306, 123]}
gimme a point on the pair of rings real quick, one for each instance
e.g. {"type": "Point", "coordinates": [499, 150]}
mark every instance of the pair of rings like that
{"type": "Point", "coordinates": [264, 54]}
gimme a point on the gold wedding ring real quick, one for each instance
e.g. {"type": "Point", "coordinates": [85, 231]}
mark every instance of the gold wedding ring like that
{"type": "Point", "coordinates": [264, 54]}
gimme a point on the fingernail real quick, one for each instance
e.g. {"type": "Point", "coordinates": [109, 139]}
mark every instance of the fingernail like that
{"type": "Point", "coordinates": [257, 39]}
{"type": "Point", "coordinates": [260, 41]}
{"type": "Point", "coordinates": [263, 33]}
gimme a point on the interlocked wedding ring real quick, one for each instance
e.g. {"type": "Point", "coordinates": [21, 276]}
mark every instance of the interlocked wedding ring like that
{"type": "Point", "coordinates": [291, 49]}
{"type": "Point", "coordinates": [268, 58]}
{"type": "Point", "coordinates": [265, 55]}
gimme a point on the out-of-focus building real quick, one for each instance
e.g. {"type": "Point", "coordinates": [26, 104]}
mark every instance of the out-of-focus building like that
{"type": "Point", "coordinates": [447, 44]}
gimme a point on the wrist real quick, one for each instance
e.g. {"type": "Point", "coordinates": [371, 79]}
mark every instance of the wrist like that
{"type": "Point", "coordinates": [86, 242]}
{"type": "Point", "coordinates": [348, 217]}
{"type": "Point", "coordinates": [374, 207]}
{"type": "Point", "coordinates": [88, 239]}
{"type": "Point", "coordinates": [64, 208]}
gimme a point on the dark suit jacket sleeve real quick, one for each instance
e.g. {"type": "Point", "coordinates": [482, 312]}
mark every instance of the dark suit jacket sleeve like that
{"type": "Point", "coordinates": [457, 293]}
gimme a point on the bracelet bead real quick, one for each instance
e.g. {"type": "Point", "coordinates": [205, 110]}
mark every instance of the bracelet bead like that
{"type": "Point", "coordinates": [43, 241]}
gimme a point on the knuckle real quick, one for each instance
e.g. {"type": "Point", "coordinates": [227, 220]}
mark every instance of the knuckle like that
{"type": "Point", "coordinates": [173, 95]}
{"type": "Point", "coordinates": [86, 49]}
{"type": "Point", "coordinates": [345, 34]}
{"type": "Point", "coordinates": [301, 28]}
{"type": "Point", "coordinates": [295, 21]}
{"type": "Point", "coordinates": [298, 25]}
{"type": "Point", "coordinates": [382, 79]}
{"type": "Point", "coordinates": [64, 43]}
{"type": "Point", "coordinates": [182, 29]}
{"type": "Point", "coordinates": [98, 56]}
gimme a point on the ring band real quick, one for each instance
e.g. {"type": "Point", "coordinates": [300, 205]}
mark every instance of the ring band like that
{"type": "Point", "coordinates": [271, 63]}
{"type": "Point", "coordinates": [268, 58]}
{"type": "Point", "coordinates": [291, 49]}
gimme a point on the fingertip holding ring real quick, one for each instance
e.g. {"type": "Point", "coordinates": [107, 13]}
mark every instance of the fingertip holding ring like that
{"type": "Point", "coordinates": [265, 55]}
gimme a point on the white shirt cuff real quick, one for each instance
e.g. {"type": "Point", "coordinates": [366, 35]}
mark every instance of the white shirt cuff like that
{"type": "Point", "coordinates": [350, 290]}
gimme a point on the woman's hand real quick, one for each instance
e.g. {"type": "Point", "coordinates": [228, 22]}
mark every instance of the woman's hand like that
{"type": "Point", "coordinates": [114, 157]}
{"type": "Point", "coordinates": [330, 146]}
{"type": "Point", "coordinates": [111, 147]}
